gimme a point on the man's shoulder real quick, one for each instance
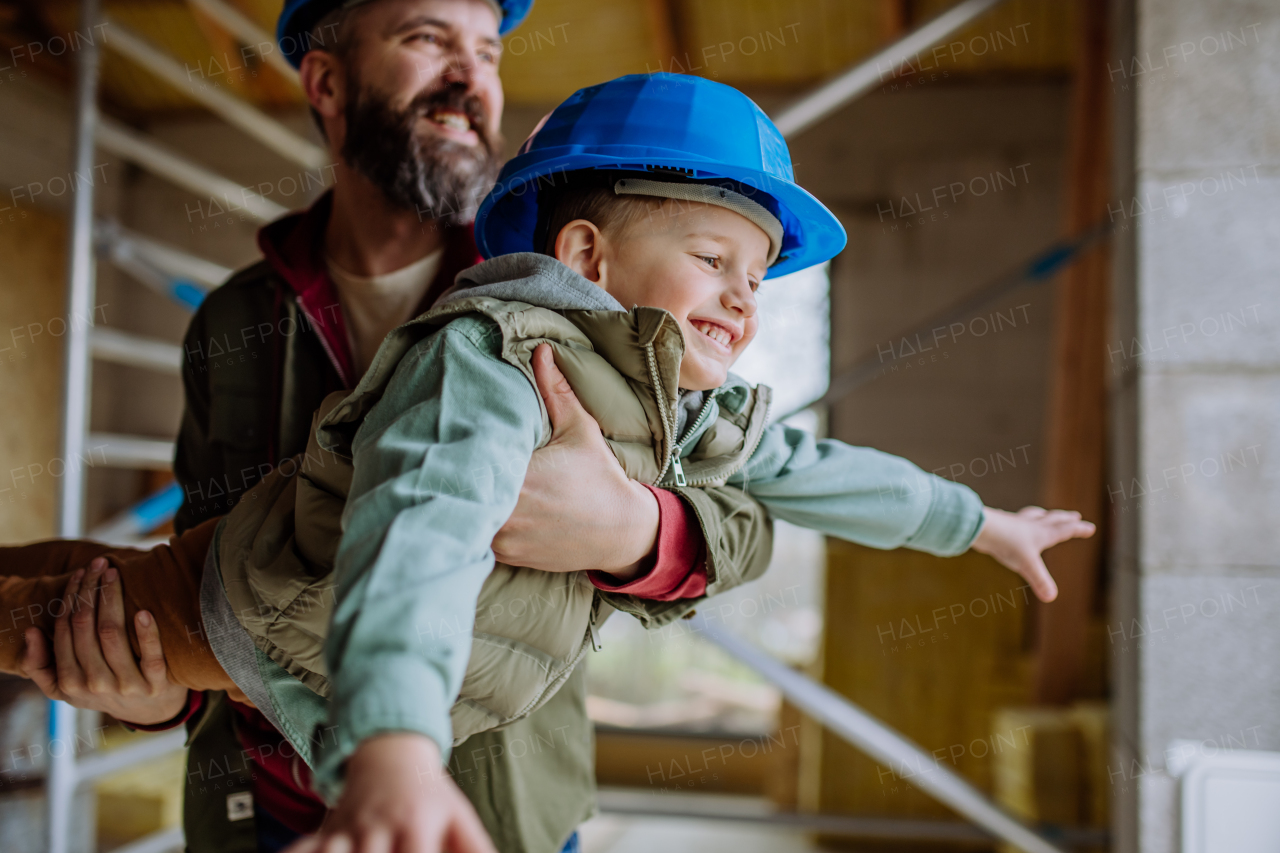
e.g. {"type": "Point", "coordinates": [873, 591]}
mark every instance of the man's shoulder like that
{"type": "Point", "coordinates": [249, 292]}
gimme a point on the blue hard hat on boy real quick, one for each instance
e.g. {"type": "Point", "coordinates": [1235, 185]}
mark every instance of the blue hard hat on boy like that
{"type": "Point", "coordinates": [674, 126]}
{"type": "Point", "coordinates": [299, 16]}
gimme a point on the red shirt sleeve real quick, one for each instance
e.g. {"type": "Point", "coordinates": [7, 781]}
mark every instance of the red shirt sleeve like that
{"type": "Point", "coordinates": [679, 568]}
{"type": "Point", "coordinates": [195, 701]}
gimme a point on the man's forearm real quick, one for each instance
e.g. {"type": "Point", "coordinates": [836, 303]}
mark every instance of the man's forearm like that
{"type": "Point", "coordinates": [676, 568]}
{"type": "Point", "coordinates": [638, 537]}
{"type": "Point", "coordinates": [737, 536]}
{"type": "Point", "coordinates": [195, 701]}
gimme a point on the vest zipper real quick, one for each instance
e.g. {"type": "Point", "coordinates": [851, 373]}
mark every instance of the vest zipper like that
{"type": "Point", "coordinates": [691, 431]}
{"type": "Point", "coordinates": [669, 426]}
{"type": "Point", "coordinates": [677, 469]}
{"type": "Point", "coordinates": [746, 457]}
{"type": "Point", "coordinates": [668, 418]}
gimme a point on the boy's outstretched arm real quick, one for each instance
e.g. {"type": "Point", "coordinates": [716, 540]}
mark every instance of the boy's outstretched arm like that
{"type": "Point", "coordinates": [884, 501]}
{"type": "Point", "coordinates": [1017, 539]}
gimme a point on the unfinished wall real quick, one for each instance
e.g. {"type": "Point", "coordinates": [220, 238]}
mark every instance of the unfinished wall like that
{"type": "Point", "coordinates": [33, 149]}
{"type": "Point", "coordinates": [35, 189]}
{"type": "Point", "coordinates": [1197, 373]}
{"type": "Point", "coordinates": [943, 189]}
{"type": "Point", "coordinates": [31, 311]}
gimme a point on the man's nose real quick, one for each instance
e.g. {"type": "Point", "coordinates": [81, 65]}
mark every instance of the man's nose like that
{"type": "Point", "coordinates": [460, 68]}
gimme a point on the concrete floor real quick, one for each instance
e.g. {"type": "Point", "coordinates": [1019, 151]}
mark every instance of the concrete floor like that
{"type": "Point", "coordinates": [624, 827]}
{"type": "Point", "coordinates": [624, 834]}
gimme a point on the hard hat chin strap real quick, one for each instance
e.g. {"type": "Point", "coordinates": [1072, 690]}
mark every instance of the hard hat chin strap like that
{"type": "Point", "coordinates": [710, 194]}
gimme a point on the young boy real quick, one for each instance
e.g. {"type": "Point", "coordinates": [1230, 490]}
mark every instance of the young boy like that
{"type": "Point", "coordinates": [669, 194]}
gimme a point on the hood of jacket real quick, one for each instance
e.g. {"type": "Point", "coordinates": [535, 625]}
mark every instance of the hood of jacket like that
{"type": "Point", "coordinates": [547, 283]}
{"type": "Point", "coordinates": [539, 280]}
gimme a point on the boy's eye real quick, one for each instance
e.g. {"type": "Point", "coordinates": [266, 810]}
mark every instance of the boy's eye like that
{"type": "Point", "coordinates": [755, 285]}
{"type": "Point", "coordinates": [712, 260]}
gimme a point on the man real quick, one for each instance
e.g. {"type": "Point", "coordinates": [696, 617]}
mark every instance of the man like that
{"type": "Point", "coordinates": [408, 97]}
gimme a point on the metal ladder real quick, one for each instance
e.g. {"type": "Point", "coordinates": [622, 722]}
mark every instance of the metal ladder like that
{"type": "Point", "coordinates": [177, 274]}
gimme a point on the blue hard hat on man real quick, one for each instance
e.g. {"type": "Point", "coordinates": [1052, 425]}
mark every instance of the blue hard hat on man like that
{"type": "Point", "coordinates": [299, 17]}
{"type": "Point", "coordinates": [675, 127]}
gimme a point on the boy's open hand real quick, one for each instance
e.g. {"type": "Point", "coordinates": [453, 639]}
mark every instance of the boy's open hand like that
{"type": "Point", "coordinates": [1017, 540]}
{"type": "Point", "coordinates": [398, 799]}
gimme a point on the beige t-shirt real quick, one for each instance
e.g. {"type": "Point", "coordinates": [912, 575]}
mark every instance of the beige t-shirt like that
{"type": "Point", "coordinates": [374, 306]}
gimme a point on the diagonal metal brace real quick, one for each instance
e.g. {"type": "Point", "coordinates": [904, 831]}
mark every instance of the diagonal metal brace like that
{"type": "Point", "coordinates": [881, 742]}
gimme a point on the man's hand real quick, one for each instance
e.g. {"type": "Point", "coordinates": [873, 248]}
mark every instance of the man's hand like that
{"type": "Point", "coordinates": [398, 799]}
{"type": "Point", "coordinates": [1017, 540]}
{"type": "Point", "coordinates": [577, 509]}
{"type": "Point", "coordinates": [94, 667]}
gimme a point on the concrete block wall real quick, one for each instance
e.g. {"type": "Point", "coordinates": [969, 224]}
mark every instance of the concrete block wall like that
{"type": "Point", "coordinates": [1195, 483]}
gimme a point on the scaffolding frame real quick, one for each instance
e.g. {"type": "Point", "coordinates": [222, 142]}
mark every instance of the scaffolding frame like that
{"type": "Point", "coordinates": [170, 271]}
{"type": "Point", "coordinates": [148, 261]}
{"type": "Point", "coordinates": [61, 782]}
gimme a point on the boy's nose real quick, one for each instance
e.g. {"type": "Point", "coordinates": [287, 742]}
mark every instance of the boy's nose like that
{"type": "Point", "coordinates": [740, 297]}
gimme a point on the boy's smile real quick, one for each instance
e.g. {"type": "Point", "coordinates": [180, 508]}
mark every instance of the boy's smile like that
{"type": "Point", "coordinates": [700, 262]}
{"type": "Point", "coordinates": [718, 332]}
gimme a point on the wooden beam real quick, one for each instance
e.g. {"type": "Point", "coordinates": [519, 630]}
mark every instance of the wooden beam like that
{"type": "Point", "coordinates": [664, 24]}
{"type": "Point", "coordinates": [1076, 416]}
{"type": "Point", "coordinates": [263, 88]}
{"type": "Point", "coordinates": [34, 249]}
{"type": "Point", "coordinates": [895, 19]}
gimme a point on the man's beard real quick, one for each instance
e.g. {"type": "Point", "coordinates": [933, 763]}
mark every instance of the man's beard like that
{"type": "Point", "coordinates": [439, 178]}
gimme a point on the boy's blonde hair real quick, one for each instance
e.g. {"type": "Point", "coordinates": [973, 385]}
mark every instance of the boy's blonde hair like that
{"type": "Point", "coordinates": [601, 206]}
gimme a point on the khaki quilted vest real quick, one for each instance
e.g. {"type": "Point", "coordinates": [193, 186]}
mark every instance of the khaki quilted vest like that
{"type": "Point", "coordinates": [531, 627]}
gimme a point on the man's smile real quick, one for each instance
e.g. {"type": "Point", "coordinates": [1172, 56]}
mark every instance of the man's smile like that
{"type": "Point", "coordinates": [453, 124]}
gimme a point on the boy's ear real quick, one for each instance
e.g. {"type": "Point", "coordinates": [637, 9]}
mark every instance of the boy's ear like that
{"type": "Point", "coordinates": [579, 246]}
